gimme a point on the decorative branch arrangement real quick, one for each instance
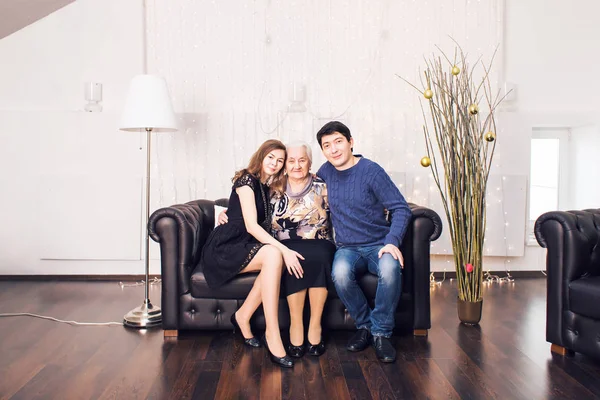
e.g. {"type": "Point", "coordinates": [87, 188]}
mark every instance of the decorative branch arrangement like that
{"type": "Point", "coordinates": [465, 142]}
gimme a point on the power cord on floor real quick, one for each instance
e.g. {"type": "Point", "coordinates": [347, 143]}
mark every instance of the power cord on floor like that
{"type": "Point", "coordinates": [26, 314]}
{"type": "Point", "coordinates": [153, 281]}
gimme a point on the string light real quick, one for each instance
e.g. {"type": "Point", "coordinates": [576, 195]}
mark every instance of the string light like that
{"type": "Point", "coordinates": [488, 277]}
{"type": "Point", "coordinates": [219, 82]}
{"type": "Point", "coordinates": [433, 282]}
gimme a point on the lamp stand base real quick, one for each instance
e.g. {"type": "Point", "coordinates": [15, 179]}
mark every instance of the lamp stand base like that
{"type": "Point", "coordinates": [144, 316]}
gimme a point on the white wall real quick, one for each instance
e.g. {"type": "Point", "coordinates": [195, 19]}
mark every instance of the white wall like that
{"type": "Point", "coordinates": [551, 53]}
{"type": "Point", "coordinates": [71, 182]}
{"type": "Point", "coordinates": [229, 68]}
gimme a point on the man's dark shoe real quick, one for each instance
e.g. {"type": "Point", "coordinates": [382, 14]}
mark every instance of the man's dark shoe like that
{"type": "Point", "coordinates": [359, 341]}
{"type": "Point", "coordinates": [383, 349]}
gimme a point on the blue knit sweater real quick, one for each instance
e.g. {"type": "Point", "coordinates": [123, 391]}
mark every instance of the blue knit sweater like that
{"type": "Point", "coordinates": [357, 199]}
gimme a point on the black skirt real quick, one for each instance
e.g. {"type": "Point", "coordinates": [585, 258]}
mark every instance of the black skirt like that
{"type": "Point", "coordinates": [228, 249]}
{"type": "Point", "coordinates": [318, 256]}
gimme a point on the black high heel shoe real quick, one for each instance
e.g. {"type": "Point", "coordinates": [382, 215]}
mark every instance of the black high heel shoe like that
{"type": "Point", "coordinates": [296, 351]}
{"type": "Point", "coordinates": [252, 342]}
{"type": "Point", "coordinates": [284, 362]}
{"type": "Point", "coordinates": [316, 349]}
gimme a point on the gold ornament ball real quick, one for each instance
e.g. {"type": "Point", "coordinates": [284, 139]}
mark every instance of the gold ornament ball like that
{"type": "Point", "coordinates": [428, 94]}
{"type": "Point", "coordinates": [473, 109]}
{"type": "Point", "coordinates": [490, 137]}
{"type": "Point", "coordinates": [455, 70]}
{"type": "Point", "coordinates": [425, 162]}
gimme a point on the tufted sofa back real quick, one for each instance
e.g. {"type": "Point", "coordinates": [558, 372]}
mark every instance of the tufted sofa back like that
{"type": "Point", "coordinates": [575, 236]}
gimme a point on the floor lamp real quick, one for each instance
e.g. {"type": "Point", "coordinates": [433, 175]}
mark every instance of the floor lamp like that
{"type": "Point", "coordinates": [148, 108]}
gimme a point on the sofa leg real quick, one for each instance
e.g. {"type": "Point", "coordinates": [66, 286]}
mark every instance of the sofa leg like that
{"type": "Point", "coordinates": [171, 333]}
{"type": "Point", "coordinates": [560, 350]}
{"type": "Point", "coordinates": [420, 332]}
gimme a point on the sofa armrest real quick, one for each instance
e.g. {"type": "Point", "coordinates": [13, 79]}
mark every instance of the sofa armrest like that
{"type": "Point", "coordinates": [435, 230]}
{"type": "Point", "coordinates": [572, 240]}
{"type": "Point", "coordinates": [425, 227]}
{"type": "Point", "coordinates": [181, 231]}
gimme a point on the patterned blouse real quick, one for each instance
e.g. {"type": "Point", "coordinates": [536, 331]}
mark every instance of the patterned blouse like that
{"type": "Point", "coordinates": [303, 215]}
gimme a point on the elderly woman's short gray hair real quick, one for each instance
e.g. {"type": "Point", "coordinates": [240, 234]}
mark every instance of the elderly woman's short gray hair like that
{"type": "Point", "coordinates": [299, 143]}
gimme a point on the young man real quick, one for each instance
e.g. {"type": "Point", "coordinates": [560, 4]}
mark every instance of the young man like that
{"type": "Point", "coordinates": [359, 190]}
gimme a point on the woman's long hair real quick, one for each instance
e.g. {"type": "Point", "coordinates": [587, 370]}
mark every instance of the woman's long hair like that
{"type": "Point", "coordinates": [277, 182]}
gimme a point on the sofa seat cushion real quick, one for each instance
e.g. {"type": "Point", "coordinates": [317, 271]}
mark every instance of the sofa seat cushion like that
{"type": "Point", "coordinates": [368, 284]}
{"type": "Point", "coordinates": [584, 297]}
{"type": "Point", "coordinates": [239, 287]}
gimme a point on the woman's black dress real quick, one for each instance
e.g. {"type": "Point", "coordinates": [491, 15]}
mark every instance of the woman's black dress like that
{"type": "Point", "coordinates": [230, 248]}
{"type": "Point", "coordinates": [318, 257]}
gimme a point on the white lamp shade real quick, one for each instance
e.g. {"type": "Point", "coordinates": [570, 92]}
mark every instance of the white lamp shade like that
{"type": "Point", "coordinates": [148, 105]}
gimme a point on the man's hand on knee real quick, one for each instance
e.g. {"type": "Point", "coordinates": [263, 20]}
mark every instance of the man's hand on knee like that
{"type": "Point", "coordinates": [394, 251]}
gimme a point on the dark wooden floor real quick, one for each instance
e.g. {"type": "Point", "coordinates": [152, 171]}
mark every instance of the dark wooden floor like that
{"type": "Point", "coordinates": [506, 357]}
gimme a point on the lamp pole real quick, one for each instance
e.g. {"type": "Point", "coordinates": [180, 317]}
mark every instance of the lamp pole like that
{"type": "Point", "coordinates": [147, 315]}
{"type": "Point", "coordinates": [147, 249]}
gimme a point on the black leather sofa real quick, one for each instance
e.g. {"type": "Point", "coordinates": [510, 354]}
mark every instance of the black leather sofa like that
{"type": "Point", "coordinates": [189, 304]}
{"type": "Point", "coordinates": [573, 267]}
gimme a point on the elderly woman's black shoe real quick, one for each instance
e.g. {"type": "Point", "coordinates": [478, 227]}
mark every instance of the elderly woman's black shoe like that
{"type": "Point", "coordinates": [316, 349]}
{"type": "Point", "coordinates": [284, 362]}
{"type": "Point", "coordinates": [296, 351]}
{"type": "Point", "coordinates": [252, 342]}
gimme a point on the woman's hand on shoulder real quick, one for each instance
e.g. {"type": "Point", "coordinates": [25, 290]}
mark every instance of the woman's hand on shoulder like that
{"type": "Point", "coordinates": [222, 218]}
{"type": "Point", "coordinates": [291, 259]}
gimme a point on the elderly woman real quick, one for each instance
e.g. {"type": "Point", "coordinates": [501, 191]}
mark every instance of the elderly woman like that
{"type": "Point", "coordinates": [301, 223]}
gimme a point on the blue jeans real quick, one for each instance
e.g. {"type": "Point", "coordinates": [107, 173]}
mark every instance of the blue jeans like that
{"type": "Point", "coordinates": [349, 264]}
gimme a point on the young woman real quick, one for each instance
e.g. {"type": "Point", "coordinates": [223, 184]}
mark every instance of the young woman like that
{"type": "Point", "coordinates": [301, 222]}
{"type": "Point", "coordinates": [245, 245]}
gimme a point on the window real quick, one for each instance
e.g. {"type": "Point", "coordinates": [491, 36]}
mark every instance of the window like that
{"type": "Point", "coordinates": [543, 190]}
{"type": "Point", "coordinates": [548, 181]}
